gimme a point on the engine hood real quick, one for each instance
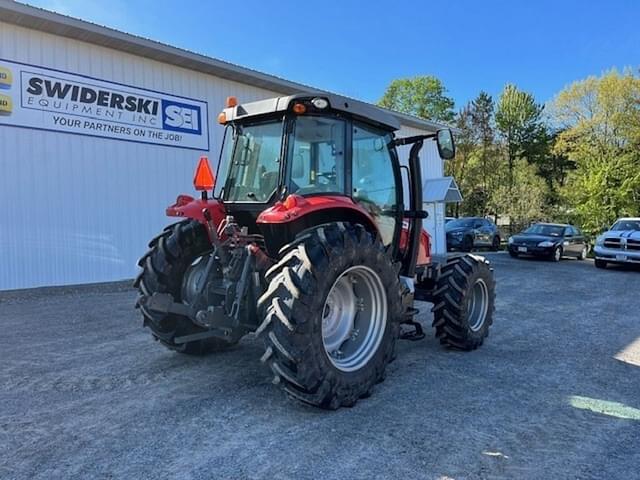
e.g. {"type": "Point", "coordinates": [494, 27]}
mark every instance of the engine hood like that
{"type": "Point", "coordinates": [525, 237]}
{"type": "Point", "coordinates": [457, 229]}
{"type": "Point", "coordinates": [634, 234]}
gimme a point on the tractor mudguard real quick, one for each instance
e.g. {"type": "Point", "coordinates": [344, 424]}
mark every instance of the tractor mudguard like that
{"type": "Point", "coordinates": [188, 207]}
{"type": "Point", "coordinates": [296, 206]}
{"type": "Point", "coordinates": [284, 220]}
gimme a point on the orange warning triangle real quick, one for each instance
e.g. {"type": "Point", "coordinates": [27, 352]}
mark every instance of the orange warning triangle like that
{"type": "Point", "coordinates": [204, 179]}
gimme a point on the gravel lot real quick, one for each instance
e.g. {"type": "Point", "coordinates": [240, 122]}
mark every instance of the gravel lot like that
{"type": "Point", "coordinates": [554, 393]}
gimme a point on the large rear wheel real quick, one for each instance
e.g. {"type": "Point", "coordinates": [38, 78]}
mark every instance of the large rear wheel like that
{"type": "Point", "coordinates": [173, 264]}
{"type": "Point", "coordinates": [331, 315]}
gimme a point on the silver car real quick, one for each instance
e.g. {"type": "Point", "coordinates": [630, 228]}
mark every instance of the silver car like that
{"type": "Point", "coordinates": [620, 244]}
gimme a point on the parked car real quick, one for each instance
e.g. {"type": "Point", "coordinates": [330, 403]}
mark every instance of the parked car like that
{"type": "Point", "coordinates": [470, 232]}
{"type": "Point", "coordinates": [619, 244]}
{"type": "Point", "coordinates": [449, 219]}
{"type": "Point", "coordinates": [551, 240]}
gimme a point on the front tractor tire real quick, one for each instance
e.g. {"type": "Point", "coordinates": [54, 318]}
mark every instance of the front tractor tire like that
{"type": "Point", "coordinates": [464, 302]}
{"type": "Point", "coordinates": [332, 313]}
{"type": "Point", "coordinates": [164, 266]}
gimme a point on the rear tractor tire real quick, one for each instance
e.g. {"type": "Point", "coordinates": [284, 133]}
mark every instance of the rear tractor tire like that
{"type": "Point", "coordinates": [464, 302]}
{"type": "Point", "coordinates": [332, 313]}
{"type": "Point", "coordinates": [164, 266]}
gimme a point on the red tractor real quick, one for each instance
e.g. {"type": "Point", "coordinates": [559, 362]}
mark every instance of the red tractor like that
{"type": "Point", "coordinates": [307, 242]}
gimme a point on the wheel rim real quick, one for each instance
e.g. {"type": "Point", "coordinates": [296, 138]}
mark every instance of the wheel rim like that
{"type": "Point", "coordinates": [193, 280]}
{"type": "Point", "coordinates": [478, 305]}
{"type": "Point", "coordinates": [354, 318]}
{"type": "Point", "coordinates": [583, 255]}
{"type": "Point", "coordinates": [558, 254]}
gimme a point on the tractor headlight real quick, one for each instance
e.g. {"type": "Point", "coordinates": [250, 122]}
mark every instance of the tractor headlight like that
{"type": "Point", "coordinates": [546, 243]}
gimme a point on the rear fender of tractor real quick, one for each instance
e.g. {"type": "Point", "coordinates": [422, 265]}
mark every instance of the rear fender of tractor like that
{"type": "Point", "coordinates": [188, 207]}
{"type": "Point", "coordinates": [282, 222]}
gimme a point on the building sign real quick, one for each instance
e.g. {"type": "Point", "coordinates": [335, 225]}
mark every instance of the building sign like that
{"type": "Point", "coordinates": [46, 99]}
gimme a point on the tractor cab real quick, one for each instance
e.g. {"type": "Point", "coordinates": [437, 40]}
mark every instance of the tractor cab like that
{"type": "Point", "coordinates": [333, 158]}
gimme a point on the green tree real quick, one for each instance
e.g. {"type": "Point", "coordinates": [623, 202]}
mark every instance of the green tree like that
{"type": "Point", "coordinates": [422, 96]}
{"type": "Point", "coordinates": [600, 121]}
{"type": "Point", "coordinates": [482, 111]}
{"type": "Point", "coordinates": [524, 201]}
{"type": "Point", "coordinates": [519, 122]}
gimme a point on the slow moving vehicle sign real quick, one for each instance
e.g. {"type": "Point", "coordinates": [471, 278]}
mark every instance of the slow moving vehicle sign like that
{"type": "Point", "coordinates": [46, 99]}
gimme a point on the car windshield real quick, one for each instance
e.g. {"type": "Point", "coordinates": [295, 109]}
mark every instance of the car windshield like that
{"type": "Point", "coordinates": [461, 223]}
{"type": "Point", "coordinates": [253, 167]}
{"type": "Point", "coordinates": [546, 230]}
{"type": "Point", "coordinates": [624, 225]}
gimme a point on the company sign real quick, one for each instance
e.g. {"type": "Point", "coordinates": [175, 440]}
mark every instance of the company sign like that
{"type": "Point", "coordinates": [46, 99]}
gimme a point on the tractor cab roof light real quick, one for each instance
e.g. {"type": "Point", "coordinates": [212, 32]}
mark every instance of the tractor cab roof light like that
{"type": "Point", "coordinates": [203, 179]}
{"type": "Point", "coordinates": [320, 103]}
{"type": "Point", "coordinates": [299, 108]}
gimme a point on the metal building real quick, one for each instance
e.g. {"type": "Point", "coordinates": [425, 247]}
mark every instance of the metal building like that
{"type": "Point", "coordinates": [84, 185]}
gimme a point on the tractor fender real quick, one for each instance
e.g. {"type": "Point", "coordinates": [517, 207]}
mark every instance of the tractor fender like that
{"type": "Point", "coordinates": [188, 207]}
{"type": "Point", "coordinates": [281, 222]}
{"type": "Point", "coordinates": [296, 207]}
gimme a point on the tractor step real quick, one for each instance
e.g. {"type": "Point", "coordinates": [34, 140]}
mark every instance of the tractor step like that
{"type": "Point", "coordinates": [417, 333]}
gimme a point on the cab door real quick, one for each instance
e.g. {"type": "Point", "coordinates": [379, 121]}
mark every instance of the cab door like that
{"type": "Point", "coordinates": [375, 178]}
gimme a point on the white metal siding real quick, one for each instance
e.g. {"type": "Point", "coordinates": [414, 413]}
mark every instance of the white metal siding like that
{"type": "Point", "coordinates": [80, 209]}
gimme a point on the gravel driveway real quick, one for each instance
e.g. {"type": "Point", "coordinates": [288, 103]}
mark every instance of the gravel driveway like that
{"type": "Point", "coordinates": [554, 393]}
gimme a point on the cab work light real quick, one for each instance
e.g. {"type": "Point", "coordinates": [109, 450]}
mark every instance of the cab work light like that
{"type": "Point", "coordinates": [231, 102]}
{"type": "Point", "coordinates": [299, 108]}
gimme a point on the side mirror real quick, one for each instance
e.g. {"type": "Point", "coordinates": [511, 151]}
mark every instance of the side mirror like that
{"type": "Point", "coordinates": [446, 146]}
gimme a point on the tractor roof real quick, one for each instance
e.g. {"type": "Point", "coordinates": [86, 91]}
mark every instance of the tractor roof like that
{"type": "Point", "coordinates": [362, 110]}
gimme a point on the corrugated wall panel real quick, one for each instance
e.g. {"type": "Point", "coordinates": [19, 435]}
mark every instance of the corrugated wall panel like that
{"type": "Point", "coordinates": [79, 209]}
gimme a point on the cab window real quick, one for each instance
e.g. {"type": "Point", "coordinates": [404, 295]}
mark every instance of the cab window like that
{"type": "Point", "coordinates": [373, 178]}
{"type": "Point", "coordinates": [317, 156]}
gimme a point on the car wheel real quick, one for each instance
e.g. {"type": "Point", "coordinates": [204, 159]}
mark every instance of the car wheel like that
{"type": "Point", "coordinates": [600, 264]}
{"type": "Point", "coordinates": [495, 244]}
{"type": "Point", "coordinates": [583, 253]}
{"type": "Point", "coordinates": [467, 244]}
{"type": "Point", "coordinates": [556, 256]}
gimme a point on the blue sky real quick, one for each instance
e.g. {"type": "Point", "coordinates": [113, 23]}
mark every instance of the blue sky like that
{"type": "Point", "coordinates": [357, 48]}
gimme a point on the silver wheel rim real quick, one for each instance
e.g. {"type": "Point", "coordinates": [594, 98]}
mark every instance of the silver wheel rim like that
{"type": "Point", "coordinates": [478, 305]}
{"type": "Point", "coordinates": [583, 255]}
{"type": "Point", "coordinates": [193, 279]}
{"type": "Point", "coordinates": [558, 254]}
{"type": "Point", "coordinates": [354, 318]}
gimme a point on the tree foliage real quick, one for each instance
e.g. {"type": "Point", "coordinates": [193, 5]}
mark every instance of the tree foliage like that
{"type": "Point", "coordinates": [600, 118]}
{"type": "Point", "coordinates": [422, 96]}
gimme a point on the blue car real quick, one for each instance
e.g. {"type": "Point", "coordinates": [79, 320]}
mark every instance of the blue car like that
{"type": "Point", "coordinates": [467, 233]}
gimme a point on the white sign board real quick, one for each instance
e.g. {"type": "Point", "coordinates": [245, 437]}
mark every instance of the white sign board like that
{"type": "Point", "coordinates": [46, 99]}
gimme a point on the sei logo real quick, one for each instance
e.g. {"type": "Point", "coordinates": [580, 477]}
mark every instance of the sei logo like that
{"type": "Point", "coordinates": [181, 117]}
